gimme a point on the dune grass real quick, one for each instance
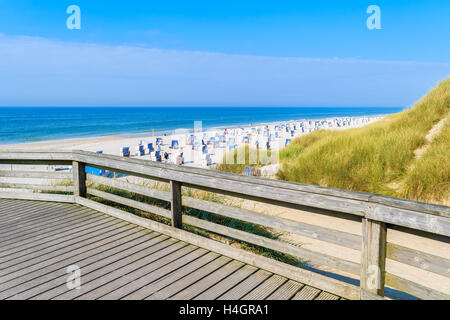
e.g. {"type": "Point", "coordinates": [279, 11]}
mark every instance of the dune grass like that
{"type": "Point", "coordinates": [262, 158]}
{"type": "Point", "coordinates": [429, 179]}
{"type": "Point", "coordinates": [372, 157]}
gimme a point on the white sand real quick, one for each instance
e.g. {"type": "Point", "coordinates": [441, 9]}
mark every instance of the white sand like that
{"type": "Point", "coordinates": [276, 131]}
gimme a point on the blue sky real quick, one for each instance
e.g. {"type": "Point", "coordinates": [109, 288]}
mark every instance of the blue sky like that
{"type": "Point", "coordinates": [218, 53]}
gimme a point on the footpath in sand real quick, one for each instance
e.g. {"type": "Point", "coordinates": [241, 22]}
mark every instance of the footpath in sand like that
{"type": "Point", "coordinates": [419, 152]}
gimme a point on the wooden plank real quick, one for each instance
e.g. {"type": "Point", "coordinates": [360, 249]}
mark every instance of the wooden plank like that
{"type": "Point", "coordinates": [410, 219]}
{"type": "Point", "coordinates": [284, 247]}
{"type": "Point", "coordinates": [95, 273]}
{"type": "Point", "coordinates": [306, 293]}
{"type": "Point", "coordinates": [33, 220]}
{"type": "Point", "coordinates": [249, 187]}
{"type": "Point", "coordinates": [131, 187]}
{"type": "Point", "coordinates": [419, 259]}
{"type": "Point", "coordinates": [373, 257]}
{"type": "Point", "coordinates": [337, 287]}
{"type": "Point", "coordinates": [189, 279]}
{"type": "Point", "coordinates": [308, 230]}
{"type": "Point", "coordinates": [262, 189]}
{"type": "Point", "coordinates": [169, 278]}
{"type": "Point", "coordinates": [36, 174]}
{"type": "Point", "coordinates": [162, 264]}
{"type": "Point", "coordinates": [144, 285]}
{"type": "Point", "coordinates": [45, 244]}
{"type": "Point", "coordinates": [37, 196]}
{"type": "Point", "coordinates": [244, 287]}
{"type": "Point", "coordinates": [25, 211]}
{"type": "Point", "coordinates": [414, 289]}
{"type": "Point", "coordinates": [422, 234]}
{"type": "Point", "coordinates": [28, 209]}
{"type": "Point", "coordinates": [207, 282]}
{"type": "Point", "coordinates": [8, 212]}
{"type": "Point", "coordinates": [37, 221]}
{"type": "Point", "coordinates": [52, 281]}
{"type": "Point", "coordinates": [10, 207]}
{"type": "Point", "coordinates": [286, 291]}
{"type": "Point", "coordinates": [37, 232]}
{"type": "Point", "coordinates": [44, 155]}
{"type": "Point", "coordinates": [23, 270]}
{"type": "Point", "coordinates": [79, 178]}
{"type": "Point", "coordinates": [41, 225]}
{"type": "Point", "coordinates": [436, 209]}
{"type": "Point", "coordinates": [326, 296]}
{"type": "Point", "coordinates": [110, 160]}
{"type": "Point", "coordinates": [35, 256]}
{"type": "Point", "coordinates": [130, 203]}
{"type": "Point", "coordinates": [52, 243]}
{"type": "Point", "coordinates": [208, 179]}
{"type": "Point", "coordinates": [366, 295]}
{"type": "Point", "coordinates": [39, 187]}
{"type": "Point", "coordinates": [48, 280]}
{"type": "Point", "coordinates": [18, 228]}
{"type": "Point", "coordinates": [266, 288]}
{"type": "Point", "coordinates": [175, 204]}
{"type": "Point", "coordinates": [226, 284]}
{"type": "Point", "coordinates": [7, 202]}
{"type": "Point", "coordinates": [37, 162]}
{"type": "Point", "coordinates": [55, 231]}
{"type": "Point", "coordinates": [15, 206]}
{"type": "Point", "coordinates": [30, 272]}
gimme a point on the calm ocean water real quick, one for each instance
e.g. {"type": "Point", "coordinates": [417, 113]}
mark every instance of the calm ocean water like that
{"type": "Point", "coordinates": [41, 123]}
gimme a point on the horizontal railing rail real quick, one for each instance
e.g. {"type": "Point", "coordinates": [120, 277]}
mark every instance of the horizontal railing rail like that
{"type": "Point", "coordinates": [376, 214]}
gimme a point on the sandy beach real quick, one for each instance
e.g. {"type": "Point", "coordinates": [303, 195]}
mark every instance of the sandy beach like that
{"type": "Point", "coordinates": [199, 147]}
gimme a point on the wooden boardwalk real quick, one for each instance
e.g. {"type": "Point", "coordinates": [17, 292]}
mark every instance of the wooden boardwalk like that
{"type": "Point", "coordinates": [120, 260]}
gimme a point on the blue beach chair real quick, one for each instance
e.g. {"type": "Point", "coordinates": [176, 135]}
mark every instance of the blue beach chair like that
{"type": "Point", "coordinates": [141, 150]}
{"type": "Point", "coordinates": [125, 151]}
{"type": "Point", "coordinates": [158, 155]}
{"type": "Point", "coordinates": [174, 144]}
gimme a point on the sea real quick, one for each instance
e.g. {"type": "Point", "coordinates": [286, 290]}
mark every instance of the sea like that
{"type": "Point", "coordinates": [32, 124]}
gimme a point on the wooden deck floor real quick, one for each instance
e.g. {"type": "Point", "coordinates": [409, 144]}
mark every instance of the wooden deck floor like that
{"type": "Point", "coordinates": [119, 260]}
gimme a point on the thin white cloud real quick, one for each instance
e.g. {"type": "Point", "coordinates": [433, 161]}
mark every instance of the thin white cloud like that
{"type": "Point", "coordinates": [39, 71]}
{"type": "Point", "coordinates": [153, 32]}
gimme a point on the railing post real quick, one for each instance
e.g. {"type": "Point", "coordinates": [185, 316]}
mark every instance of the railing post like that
{"type": "Point", "coordinates": [175, 204]}
{"type": "Point", "coordinates": [373, 257]}
{"type": "Point", "coordinates": [79, 179]}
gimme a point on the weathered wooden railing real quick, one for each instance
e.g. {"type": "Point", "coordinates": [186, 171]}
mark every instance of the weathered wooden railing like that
{"type": "Point", "coordinates": [376, 215]}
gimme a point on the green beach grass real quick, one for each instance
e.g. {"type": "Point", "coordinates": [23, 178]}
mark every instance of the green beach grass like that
{"type": "Point", "coordinates": [380, 158]}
